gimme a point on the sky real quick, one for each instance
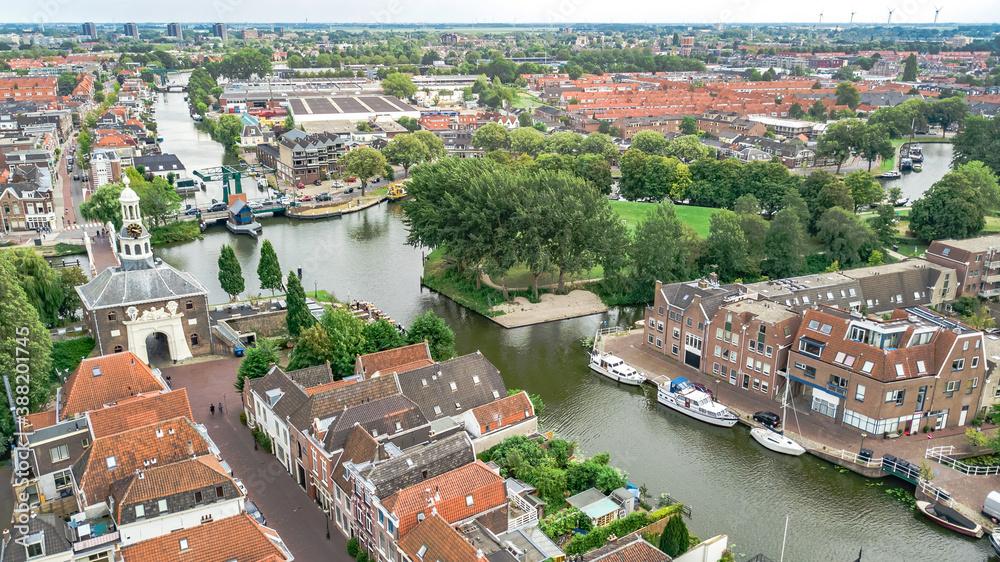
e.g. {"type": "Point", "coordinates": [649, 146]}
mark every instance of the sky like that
{"type": "Point", "coordinates": [387, 12]}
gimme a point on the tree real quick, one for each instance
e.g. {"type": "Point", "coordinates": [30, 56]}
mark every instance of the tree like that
{"type": "Point", "coordinates": [527, 140]}
{"type": "Point", "coordinates": [268, 269]}
{"type": "Point", "coordinates": [755, 230]}
{"type": "Point", "coordinates": [839, 139]}
{"type": "Point", "coordinates": [346, 340]}
{"type": "Point", "coordinates": [382, 335]}
{"type": "Point", "coordinates": [405, 150]}
{"type": "Point", "coordinates": [883, 225]}
{"type": "Point", "coordinates": [257, 362]}
{"type": "Point", "coordinates": [687, 148]}
{"type": "Point", "coordinates": [85, 141]}
{"type": "Point", "coordinates": [157, 198]}
{"type": "Point", "coordinates": [230, 273]}
{"type": "Point", "coordinates": [785, 245]}
{"type": "Point", "coordinates": [977, 141]}
{"type": "Point", "coordinates": [796, 111]}
{"type": "Point", "coordinates": [70, 278]}
{"type": "Point", "coordinates": [864, 189]}
{"type": "Point", "coordinates": [66, 83]}
{"type": "Point", "coordinates": [596, 171]}
{"type": "Point", "coordinates": [440, 338]}
{"type": "Point", "coordinates": [599, 144]}
{"type": "Point", "coordinates": [910, 68]}
{"type": "Point", "coordinates": [689, 126]}
{"type": "Point", "coordinates": [945, 112]}
{"type": "Point", "coordinates": [726, 247]}
{"type": "Point", "coordinates": [872, 141]}
{"type": "Point", "coordinates": [845, 238]}
{"type": "Point", "coordinates": [298, 317]}
{"type": "Point", "coordinates": [565, 143]}
{"type": "Point", "coordinates": [649, 142]}
{"type": "Point", "coordinates": [573, 70]}
{"type": "Point", "coordinates": [412, 125]}
{"type": "Point", "coordinates": [41, 283]}
{"type": "Point", "coordinates": [490, 137]}
{"type": "Point", "coordinates": [398, 85]}
{"type": "Point", "coordinates": [980, 317]}
{"type": "Point", "coordinates": [99, 97]}
{"type": "Point", "coordinates": [364, 162]}
{"type": "Point", "coordinates": [524, 119]}
{"type": "Point", "coordinates": [954, 207]}
{"type": "Point", "coordinates": [818, 110]}
{"type": "Point", "coordinates": [675, 539]}
{"type": "Point", "coordinates": [25, 347]}
{"type": "Point", "coordinates": [848, 95]}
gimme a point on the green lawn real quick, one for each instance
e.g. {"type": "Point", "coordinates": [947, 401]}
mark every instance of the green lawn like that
{"type": "Point", "coordinates": [695, 217]}
{"type": "Point", "coordinates": [526, 101]}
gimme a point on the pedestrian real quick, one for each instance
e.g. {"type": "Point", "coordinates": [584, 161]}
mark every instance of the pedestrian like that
{"type": "Point", "coordinates": [220, 408]}
{"type": "Point", "coordinates": [211, 408]}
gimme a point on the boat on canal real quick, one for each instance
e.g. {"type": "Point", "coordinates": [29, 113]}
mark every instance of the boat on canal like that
{"type": "Point", "coordinates": [775, 439]}
{"type": "Point", "coordinates": [680, 394]}
{"type": "Point", "coordinates": [615, 369]}
{"type": "Point", "coordinates": [396, 192]}
{"type": "Point", "coordinates": [917, 167]}
{"type": "Point", "coordinates": [891, 175]}
{"type": "Point", "coordinates": [905, 163]}
{"type": "Point", "coordinates": [951, 519]}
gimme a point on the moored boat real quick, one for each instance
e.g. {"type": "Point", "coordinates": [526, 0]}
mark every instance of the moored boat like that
{"type": "Point", "coordinates": [615, 369]}
{"type": "Point", "coordinates": [681, 395]}
{"type": "Point", "coordinates": [891, 175]}
{"type": "Point", "coordinates": [775, 439]}
{"type": "Point", "coordinates": [951, 519]}
{"type": "Point", "coordinates": [396, 193]}
{"type": "Point", "coordinates": [905, 163]}
{"type": "Point", "coordinates": [917, 167]}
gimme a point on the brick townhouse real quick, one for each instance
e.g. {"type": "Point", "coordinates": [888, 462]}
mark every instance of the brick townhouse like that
{"type": "Point", "coordinates": [976, 262]}
{"type": "Point", "coordinates": [916, 369]}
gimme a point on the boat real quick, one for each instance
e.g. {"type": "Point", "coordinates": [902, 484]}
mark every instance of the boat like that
{"type": "Point", "coordinates": [681, 395]}
{"type": "Point", "coordinates": [917, 167]}
{"type": "Point", "coordinates": [775, 439]}
{"type": "Point", "coordinates": [916, 156]}
{"type": "Point", "coordinates": [396, 192]}
{"type": "Point", "coordinates": [995, 542]}
{"type": "Point", "coordinates": [891, 175]}
{"type": "Point", "coordinates": [903, 202]}
{"type": "Point", "coordinates": [905, 163]}
{"type": "Point", "coordinates": [951, 519]}
{"type": "Point", "coordinates": [615, 369]}
{"type": "Point", "coordinates": [916, 148]}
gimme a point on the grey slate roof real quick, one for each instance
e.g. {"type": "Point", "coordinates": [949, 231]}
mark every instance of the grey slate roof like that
{"type": "Point", "coordinates": [882, 285]}
{"type": "Point", "coordinates": [292, 398]}
{"type": "Point", "coordinates": [312, 376]}
{"type": "Point", "coordinates": [116, 287]}
{"type": "Point", "coordinates": [431, 387]}
{"type": "Point", "coordinates": [53, 533]}
{"type": "Point", "coordinates": [682, 295]}
{"type": "Point", "coordinates": [388, 416]}
{"type": "Point", "coordinates": [420, 463]}
{"type": "Point", "coordinates": [324, 404]}
{"type": "Point", "coordinates": [159, 162]}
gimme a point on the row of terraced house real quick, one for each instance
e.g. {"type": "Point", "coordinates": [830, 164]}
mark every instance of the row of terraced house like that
{"type": "Point", "coordinates": [118, 470]}
{"type": "Point", "coordinates": [389, 454]}
{"type": "Point", "coordinates": [868, 348]}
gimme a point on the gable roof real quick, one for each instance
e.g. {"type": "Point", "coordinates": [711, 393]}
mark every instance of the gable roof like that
{"type": "Point", "coordinates": [54, 537]}
{"type": "Point", "coordinates": [447, 495]}
{"type": "Point", "coordinates": [631, 548]}
{"type": "Point", "coordinates": [360, 447]}
{"type": "Point", "coordinates": [435, 539]}
{"type": "Point", "coordinates": [245, 541]}
{"type": "Point", "coordinates": [420, 463]}
{"type": "Point", "coordinates": [166, 442]}
{"type": "Point", "coordinates": [503, 412]}
{"type": "Point", "coordinates": [168, 480]}
{"type": "Point", "coordinates": [140, 412]}
{"type": "Point", "coordinates": [105, 380]}
{"type": "Point", "coordinates": [398, 360]}
{"type": "Point", "coordinates": [431, 387]}
{"type": "Point", "coordinates": [291, 398]}
{"type": "Point", "coordinates": [388, 416]}
{"type": "Point", "coordinates": [322, 405]}
{"type": "Point", "coordinates": [312, 376]}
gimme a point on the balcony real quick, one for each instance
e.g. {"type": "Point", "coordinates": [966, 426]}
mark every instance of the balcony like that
{"type": "Point", "coordinates": [992, 278]}
{"type": "Point", "coordinates": [990, 292]}
{"type": "Point", "coordinates": [992, 264]}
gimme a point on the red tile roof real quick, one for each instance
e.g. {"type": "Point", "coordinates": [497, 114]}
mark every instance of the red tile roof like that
{"type": "Point", "coordinates": [104, 380]}
{"type": "Point", "coordinates": [39, 420]}
{"type": "Point", "coordinates": [448, 496]}
{"type": "Point", "coordinates": [399, 360]}
{"type": "Point", "coordinates": [233, 538]}
{"type": "Point", "coordinates": [439, 542]}
{"type": "Point", "coordinates": [148, 410]}
{"type": "Point", "coordinates": [503, 412]}
{"type": "Point", "coordinates": [328, 386]}
{"type": "Point", "coordinates": [158, 483]}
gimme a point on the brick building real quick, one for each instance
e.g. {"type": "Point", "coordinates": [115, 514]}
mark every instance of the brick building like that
{"type": "Point", "coordinates": [976, 262]}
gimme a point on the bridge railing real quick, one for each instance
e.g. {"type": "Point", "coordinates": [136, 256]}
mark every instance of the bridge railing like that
{"type": "Point", "coordinates": [942, 455]}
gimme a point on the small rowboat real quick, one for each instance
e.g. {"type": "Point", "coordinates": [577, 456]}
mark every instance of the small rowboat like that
{"type": "Point", "coordinates": [950, 519]}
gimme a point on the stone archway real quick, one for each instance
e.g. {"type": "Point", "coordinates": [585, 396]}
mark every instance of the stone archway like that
{"type": "Point", "coordinates": [164, 325]}
{"type": "Point", "coordinates": [158, 352]}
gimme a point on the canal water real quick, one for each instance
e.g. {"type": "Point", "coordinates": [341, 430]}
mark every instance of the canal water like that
{"type": "Point", "coordinates": [937, 162]}
{"type": "Point", "coordinates": [733, 486]}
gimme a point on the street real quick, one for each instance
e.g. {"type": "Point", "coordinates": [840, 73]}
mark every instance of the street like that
{"type": "Point", "coordinates": [286, 507]}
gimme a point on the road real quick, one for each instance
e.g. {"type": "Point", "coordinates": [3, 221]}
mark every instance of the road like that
{"type": "Point", "coordinates": [286, 506]}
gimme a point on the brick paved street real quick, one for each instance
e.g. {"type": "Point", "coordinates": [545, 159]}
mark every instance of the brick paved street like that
{"type": "Point", "coordinates": [286, 506]}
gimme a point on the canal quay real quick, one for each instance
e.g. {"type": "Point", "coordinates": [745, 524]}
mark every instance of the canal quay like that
{"type": "Point", "coordinates": [733, 485]}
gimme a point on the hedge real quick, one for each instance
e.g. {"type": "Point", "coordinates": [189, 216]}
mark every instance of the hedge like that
{"type": "Point", "coordinates": [597, 538]}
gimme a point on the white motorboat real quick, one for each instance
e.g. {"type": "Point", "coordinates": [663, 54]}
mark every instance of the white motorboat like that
{"type": "Point", "coordinates": [615, 369]}
{"type": "Point", "coordinates": [681, 395]}
{"type": "Point", "coordinates": [776, 440]}
{"type": "Point", "coordinates": [891, 175]}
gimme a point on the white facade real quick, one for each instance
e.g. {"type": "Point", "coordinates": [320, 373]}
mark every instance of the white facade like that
{"type": "Point", "coordinates": [275, 427]}
{"type": "Point", "coordinates": [153, 527]}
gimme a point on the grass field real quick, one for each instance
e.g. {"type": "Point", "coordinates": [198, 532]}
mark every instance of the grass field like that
{"type": "Point", "coordinates": [695, 217]}
{"type": "Point", "coordinates": [522, 99]}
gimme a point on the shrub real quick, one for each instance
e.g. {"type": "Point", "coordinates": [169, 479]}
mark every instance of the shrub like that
{"type": "Point", "coordinates": [243, 418]}
{"type": "Point", "coordinates": [352, 547]}
{"type": "Point", "coordinates": [262, 439]}
{"type": "Point", "coordinates": [675, 539]}
{"type": "Point", "coordinates": [580, 544]}
{"type": "Point", "coordinates": [362, 556]}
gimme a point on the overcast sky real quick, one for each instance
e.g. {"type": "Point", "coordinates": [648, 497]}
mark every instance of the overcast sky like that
{"type": "Point", "coordinates": [478, 11]}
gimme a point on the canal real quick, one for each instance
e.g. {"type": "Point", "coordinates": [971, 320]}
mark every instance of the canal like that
{"type": "Point", "coordinates": [733, 486]}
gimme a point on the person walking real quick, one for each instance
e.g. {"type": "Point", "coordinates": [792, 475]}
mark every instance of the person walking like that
{"type": "Point", "coordinates": [220, 408]}
{"type": "Point", "coordinates": [211, 408]}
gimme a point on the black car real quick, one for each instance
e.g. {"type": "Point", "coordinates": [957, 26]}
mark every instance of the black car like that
{"type": "Point", "coordinates": [324, 197]}
{"type": "Point", "coordinates": [318, 182]}
{"type": "Point", "coordinates": [769, 419]}
{"type": "Point", "coordinates": [217, 207]}
{"type": "Point", "coordinates": [76, 177]}
{"type": "Point", "coordinates": [254, 512]}
{"type": "Point", "coordinates": [349, 190]}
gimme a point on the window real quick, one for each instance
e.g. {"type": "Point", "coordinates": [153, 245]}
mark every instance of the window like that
{"type": "Point", "coordinates": [973, 383]}
{"type": "Point", "coordinates": [757, 366]}
{"type": "Point", "coordinates": [951, 386]}
{"type": "Point", "coordinates": [194, 339]}
{"type": "Point", "coordinates": [189, 305]}
{"type": "Point", "coordinates": [718, 333]}
{"type": "Point", "coordinates": [975, 362]}
{"type": "Point", "coordinates": [659, 343]}
{"type": "Point", "coordinates": [769, 351]}
{"type": "Point", "coordinates": [659, 326]}
{"type": "Point", "coordinates": [718, 350]}
{"type": "Point", "coordinates": [763, 386]}
{"type": "Point", "coordinates": [453, 386]}
{"type": "Point", "coordinates": [422, 551]}
{"type": "Point", "coordinates": [437, 410]}
{"type": "Point", "coordinates": [753, 345]}
{"type": "Point", "coordinates": [859, 393]}
{"type": "Point", "coordinates": [197, 497]}
{"type": "Point", "coordinates": [814, 325]}
{"type": "Point", "coordinates": [921, 367]}
{"type": "Point", "coordinates": [468, 500]}
{"type": "Point", "coordinates": [689, 322]}
{"type": "Point", "coordinates": [673, 349]}
{"type": "Point", "coordinates": [767, 369]}
{"type": "Point", "coordinates": [34, 548]}
{"type": "Point", "coordinates": [749, 363]}
{"type": "Point", "coordinates": [715, 368]}
{"type": "Point", "coordinates": [219, 492]}
{"type": "Point", "coordinates": [659, 311]}
{"type": "Point", "coordinates": [756, 384]}
{"type": "Point", "coordinates": [650, 339]}
{"type": "Point", "coordinates": [652, 323]}
{"type": "Point", "coordinates": [63, 479]}
{"type": "Point", "coordinates": [111, 462]}
{"type": "Point", "coordinates": [112, 316]}
{"type": "Point", "coordinates": [118, 349]}
{"type": "Point", "coordinates": [184, 544]}
{"type": "Point", "coordinates": [899, 370]}
{"type": "Point", "coordinates": [162, 506]}
{"type": "Point", "coordinates": [140, 511]}
{"type": "Point", "coordinates": [809, 371]}
{"type": "Point", "coordinates": [671, 315]}
{"type": "Point", "coordinates": [958, 364]}
{"type": "Point", "coordinates": [59, 453]}
{"type": "Point", "coordinates": [895, 396]}
{"type": "Point", "coordinates": [677, 333]}
{"type": "Point", "coordinates": [810, 348]}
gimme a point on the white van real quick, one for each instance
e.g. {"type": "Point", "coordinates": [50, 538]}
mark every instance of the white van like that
{"type": "Point", "coordinates": [229, 471]}
{"type": "Point", "coordinates": [991, 505]}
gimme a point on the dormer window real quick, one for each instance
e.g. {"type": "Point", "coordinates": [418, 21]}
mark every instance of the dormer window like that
{"type": "Point", "coordinates": [453, 386]}
{"type": "Point", "coordinates": [184, 544]}
{"type": "Point", "coordinates": [111, 462]}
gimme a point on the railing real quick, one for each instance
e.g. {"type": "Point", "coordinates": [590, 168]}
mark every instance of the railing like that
{"type": "Point", "coordinates": [989, 292]}
{"type": "Point", "coordinates": [687, 508]}
{"type": "Point", "coordinates": [940, 454]}
{"type": "Point", "coordinates": [856, 459]}
{"type": "Point", "coordinates": [530, 513]}
{"type": "Point", "coordinates": [935, 491]}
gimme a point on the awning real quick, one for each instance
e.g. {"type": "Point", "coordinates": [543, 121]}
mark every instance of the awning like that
{"type": "Point", "coordinates": [826, 396]}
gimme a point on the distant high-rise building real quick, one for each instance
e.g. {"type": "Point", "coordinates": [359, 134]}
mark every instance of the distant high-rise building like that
{"type": "Point", "coordinates": [249, 34]}
{"type": "Point", "coordinates": [90, 29]}
{"type": "Point", "coordinates": [219, 30]}
{"type": "Point", "coordinates": [687, 44]}
{"type": "Point", "coordinates": [279, 30]}
{"type": "Point", "coordinates": [132, 30]}
{"type": "Point", "coordinates": [174, 30]}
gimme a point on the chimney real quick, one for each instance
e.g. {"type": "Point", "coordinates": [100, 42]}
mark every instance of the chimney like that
{"type": "Point", "coordinates": [659, 285]}
{"type": "Point", "coordinates": [713, 278]}
{"type": "Point", "coordinates": [191, 448]}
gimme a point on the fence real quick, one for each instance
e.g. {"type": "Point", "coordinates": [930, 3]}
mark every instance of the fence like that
{"type": "Point", "coordinates": [908, 469]}
{"type": "Point", "coordinates": [530, 514]}
{"type": "Point", "coordinates": [940, 454]}
{"type": "Point", "coordinates": [686, 509]}
{"type": "Point", "coordinates": [857, 459]}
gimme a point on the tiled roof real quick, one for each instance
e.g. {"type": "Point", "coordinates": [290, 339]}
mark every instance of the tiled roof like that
{"type": "Point", "coordinates": [420, 463]}
{"type": "Point", "coordinates": [105, 380]}
{"type": "Point", "coordinates": [435, 539]}
{"type": "Point", "coordinates": [448, 495]}
{"type": "Point", "coordinates": [397, 360]}
{"type": "Point", "coordinates": [244, 541]}
{"type": "Point", "coordinates": [292, 395]}
{"type": "Point", "coordinates": [54, 540]}
{"type": "Point", "coordinates": [328, 386]}
{"type": "Point", "coordinates": [388, 416]}
{"type": "Point", "coordinates": [360, 447]}
{"type": "Point", "coordinates": [322, 405]}
{"type": "Point", "coordinates": [503, 412]}
{"type": "Point", "coordinates": [167, 442]}
{"type": "Point", "coordinates": [40, 420]}
{"type": "Point", "coordinates": [628, 549]}
{"type": "Point", "coordinates": [453, 386]}
{"type": "Point", "coordinates": [312, 376]}
{"type": "Point", "coordinates": [168, 480]}
{"type": "Point", "coordinates": [145, 411]}
{"type": "Point", "coordinates": [683, 294]}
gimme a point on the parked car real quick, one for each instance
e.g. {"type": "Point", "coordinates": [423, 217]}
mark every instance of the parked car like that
{"type": "Point", "coordinates": [254, 512]}
{"type": "Point", "coordinates": [317, 182]}
{"type": "Point", "coordinates": [240, 486]}
{"type": "Point", "coordinates": [349, 190]}
{"type": "Point", "coordinates": [217, 207]}
{"type": "Point", "coordinates": [255, 205]}
{"type": "Point", "coordinates": [192, 211]}
{"type": "Point", "coordinates": [769, 419]}
{"type": "Point", "coordinates": [76, 177]}
{"type": "Point", "coordinates": [285, 200]}
{"type": "Point", "coordinates": [306, 198]}
{"type": "Point", "coordinates": [86, 178]}
{"type": "Point", "coordinates": [338, 184]}
{"type": "Point", "coordinates": [301, 185]}
{"type": "Point", "coordinates": [349, 180]}
{"type": "Point", "coordinates": [324, 197]}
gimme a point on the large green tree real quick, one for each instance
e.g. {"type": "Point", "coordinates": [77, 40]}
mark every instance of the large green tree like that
{"type": "Point", "coordinates": [845, 238]}
{"type": "Point", "coordinates": [839, 140]}
{"type": "Point", "coordinates": [297, 317]}
{"type": "Point", "coordinates": [848, 95]}
{"type": "Point", "coordinates": [382, 335]}
{"type": "Point", "coordinates": [595, 170]}
{"type": "Point", "coordinates": [864, 189]}
{"type": "Point", "coordinates": [405, 150]}
{"type": "Point", "coordinates": [527, 140]}
{"type": "Point", "coordinates": [946, 112]}
{"type": "Point", "coordinates": [491, 136]}
{"type": "Point", "coordinates": [978, 140]}
{"type": "Point", "coordinates": [785, 245]}
{"type": "Point", "coordinates": [41, 283]}
{"type": "Point", "coordinates": [339, 338]}
{"type": "Point", "coordinates": [257, 362]}
{"type": "Point", "coordinates": [675, 539]}
{"type": "Point", "coordinates": [650, 142]}
{"type": "Point", "coordinates": [230, 272]}
{"type": "Point", "coordinates": [439, 337]}
{"type": "Point", "coordinates": [873, 142]}
{"type": "Point", "coordinates": [687, 148]}
{"type": "Point", "coordinates": [268, 268]}
{"type": "Point", "coordinates": [662, 249]}
{"type": "Point", "coordinates": [910, 68]}
{"type": "Point", "coordinates": [398, 85]}
{"type": "Point", "coordinates": [955, 206]}
{"type": "Point", "coordinates": [365, 163]}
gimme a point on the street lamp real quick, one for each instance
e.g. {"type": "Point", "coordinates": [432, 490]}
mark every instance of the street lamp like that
{"type": "Point", "coordinates": [863, 435]}
{"type": "Point", "coordinates": [326, 512]}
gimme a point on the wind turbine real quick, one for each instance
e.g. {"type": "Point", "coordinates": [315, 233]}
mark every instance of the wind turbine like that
{"type": "Point", "coordinates": [936, 11]}
{"type": "Point", "coordinates": [890, 16]}
{"type": "Point", "coordinates": [852, 17]}
{"type": "Point", "coordinates": [821, 18]}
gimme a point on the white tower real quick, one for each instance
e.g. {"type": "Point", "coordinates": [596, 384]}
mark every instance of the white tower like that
{"type": "Point", "coordinates": [135, 252]}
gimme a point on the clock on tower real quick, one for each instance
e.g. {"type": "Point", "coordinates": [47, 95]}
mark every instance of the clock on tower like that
{"type": "Point", "coordinates": [134, 230]}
